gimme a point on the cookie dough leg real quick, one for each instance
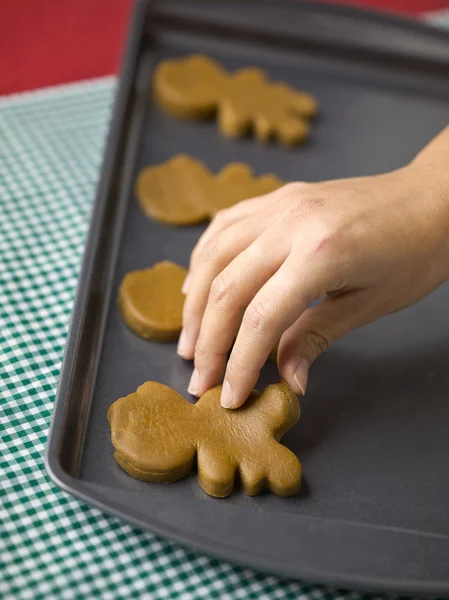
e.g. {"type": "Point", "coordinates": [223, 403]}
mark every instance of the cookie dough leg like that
{"type": "Point", "coordinates": [285, 472]}
{"type": "Point", "coordinates": [232, 121]}
{"type": "Point", "coordinates": [215, 473]}
{"type": "Point", "coordinates": [253, 479]}
{"type": "Point", "coordinates": [263, 128]}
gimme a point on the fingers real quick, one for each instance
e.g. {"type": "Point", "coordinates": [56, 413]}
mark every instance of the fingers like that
{"type": "Point", "coordinates": [231, 292]}
{"type": "Point", "coordinates": [277, 305]}
{"type": "Point", "coordinates": [216, 255]}
{"type": "Point", "coordinates": [315, 330]}
{"type": "Point", "coordinates": [227, 218]}
{"type": "Point", "coordinates": [268, 206]}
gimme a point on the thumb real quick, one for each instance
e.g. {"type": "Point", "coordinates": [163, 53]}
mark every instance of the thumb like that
{"type": "Point", "coordinates": [317, 329]}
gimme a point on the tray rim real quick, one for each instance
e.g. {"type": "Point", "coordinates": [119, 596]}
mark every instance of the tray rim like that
{"type": "Point", "coordinates": [261, 564]}
{"type": "Point", "coordinates": [369, 16]}
{"type": "Point", "coordinates": [83, 491]}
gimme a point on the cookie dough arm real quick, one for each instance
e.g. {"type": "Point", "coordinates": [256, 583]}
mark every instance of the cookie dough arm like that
{"type": "Point", "coordinates": [216, 472]}
{"type": "Point", "coordinates": [284, 471]}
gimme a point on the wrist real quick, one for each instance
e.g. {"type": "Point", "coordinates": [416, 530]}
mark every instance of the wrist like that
{"type": "Point", "coordinates": [428, 185]}
{"type": "Point", "coordinates": [433, 162]}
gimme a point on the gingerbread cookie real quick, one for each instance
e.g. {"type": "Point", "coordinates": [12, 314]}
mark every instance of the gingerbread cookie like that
{"type": "Point", "coordinates": [198, 87]}
{"type": "Point", "coordinates": [158, 436]}
{"type": "Point", "coordinates": [183, 191]}
{"type": "Point", "coordinates": [151, 301]}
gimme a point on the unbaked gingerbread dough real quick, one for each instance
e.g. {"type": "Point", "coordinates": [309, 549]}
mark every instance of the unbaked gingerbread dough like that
{"type": "Point", "coordinates": [158, 436]}
{"type": "Point", "coordinates": [182, 191]}
{"type": "Point", "coordinates": [196, 87]}
{"type": "Point", "coordinates": [151, 301]}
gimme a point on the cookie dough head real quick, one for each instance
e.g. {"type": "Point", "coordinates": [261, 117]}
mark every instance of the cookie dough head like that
{"type": "Point", "coordinates": [189, 87]}
{"type": "Point", "coordinates": [177, 192]}
{"type": "Point", "coordinates": [151, 301]}
{"type": "Point", "coordinates": [151, 434]}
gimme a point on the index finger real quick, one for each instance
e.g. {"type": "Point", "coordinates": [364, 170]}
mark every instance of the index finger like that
{"type": "Point", "coordinates": [228, 217]}
{"type": "Point", "coordinates": [230, 294]}
{"type": "Point", "coordinates": [278, 304]}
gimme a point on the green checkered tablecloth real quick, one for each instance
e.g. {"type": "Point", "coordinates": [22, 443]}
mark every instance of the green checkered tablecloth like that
{"type": "Point", "coordinates": [51, 545]}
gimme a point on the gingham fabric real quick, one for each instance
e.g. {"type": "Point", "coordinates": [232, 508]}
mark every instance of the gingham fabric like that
{"type": "Point", "coordinates": [51, 545]}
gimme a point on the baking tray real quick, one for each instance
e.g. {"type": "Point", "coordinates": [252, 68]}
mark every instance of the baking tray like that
{"type": "Point", "coordinates": [373, 512]}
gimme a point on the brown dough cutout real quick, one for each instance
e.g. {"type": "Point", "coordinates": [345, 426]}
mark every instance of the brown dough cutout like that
{"type": "Point", "coordinates": [198, 87]}
{"type": "Point", "coordinates": [157, 435]}
{"type": "Point", "coordinates": [151, 301]}
{"type": "Point", "coordinates": [183, 191]}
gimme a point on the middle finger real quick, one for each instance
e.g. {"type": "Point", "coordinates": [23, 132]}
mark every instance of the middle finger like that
{"type": "Point", "coordinates": [229, 297]}
{"type": "Point", "coordinates": [215, 257]}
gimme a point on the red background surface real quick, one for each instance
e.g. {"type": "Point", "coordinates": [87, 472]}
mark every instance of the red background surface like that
{"type": "Point", "coordinates": [46, 42]}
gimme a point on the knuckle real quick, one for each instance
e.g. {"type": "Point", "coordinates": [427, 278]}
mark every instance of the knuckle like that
{"type": "Point", "coordinates": [236, 369]}
{"type": "Point", "coordinates": [230, 212]}
{"type": "Point", "coordinates": [290, 189]}
{"type": "Point", "coordinates": [221, 216]}
{"type": "Point", "coordinates": [206, 351]}
{"type": "Point", "coordinates": [303, 207]}
{"type": "Point", "coordinates": [327, 236]}
{"type": "Point", "coordinates": [210, 251]}
{"type": "Point", "coordinates": [201, 351]}
{"type": "Point", "coordinates": [220, 290]}
{"type": "Point", "coordinates": [319, 339]}
{"type": "Point", "coordinates": [312, 204]}
{"type": "Point", "coordinates": [256, 251]}
{"type": "Point", "coordinates": [258, 317]}
{"type": "Point", "coordinates": [324, 232]}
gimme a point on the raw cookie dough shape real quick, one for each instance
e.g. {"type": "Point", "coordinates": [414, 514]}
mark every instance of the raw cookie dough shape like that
{"type": "Point", "coordinates": [158, 436]}
{"type": "Point", "coordinates": [183, 191]}
{"type": "Point", "coordinates": [197, 87]}
{"type": "Point", "coordinates": [151, 301]}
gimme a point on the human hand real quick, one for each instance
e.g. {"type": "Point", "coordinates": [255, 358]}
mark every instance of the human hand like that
{"type": "Point", "coordinates": [370, 246]}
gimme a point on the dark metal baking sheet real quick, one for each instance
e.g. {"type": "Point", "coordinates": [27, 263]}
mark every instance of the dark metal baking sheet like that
{"type": "Point", "coordinates": [374, 433]}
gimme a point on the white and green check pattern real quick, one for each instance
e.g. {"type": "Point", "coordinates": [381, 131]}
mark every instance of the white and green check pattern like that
{"type": "Point", "coordinates": [51, 545]}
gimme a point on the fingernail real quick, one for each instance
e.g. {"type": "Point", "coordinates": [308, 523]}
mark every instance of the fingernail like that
{"type": "Point", "coordinates": [186, 343]}
{"type": "Point", "coordinates": [226, 395]}
{"type": "Point", "coordinates": [185, 285]}
{"type": "Point", "coordinates": [300, 376]}
{"type": "Point", "coordinates": [194, 383]}
{"type": "Point", "coordinates": [182, 349]}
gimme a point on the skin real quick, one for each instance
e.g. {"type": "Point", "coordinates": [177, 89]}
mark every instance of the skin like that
{"type": "Point", "coordinates": [368, 246]}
